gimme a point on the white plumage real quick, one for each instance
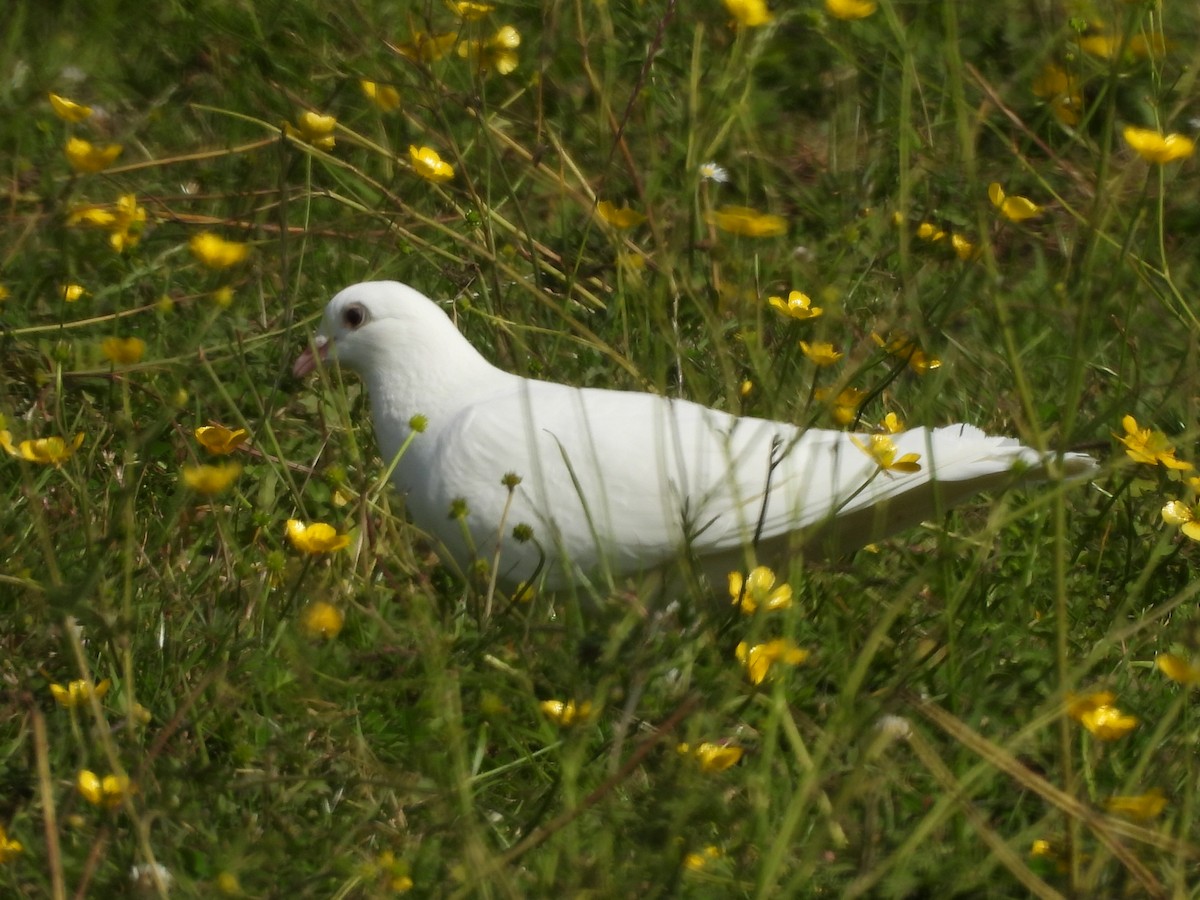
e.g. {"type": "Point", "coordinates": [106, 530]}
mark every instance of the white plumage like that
{"type": "Point", "coordinates": [614, 483]}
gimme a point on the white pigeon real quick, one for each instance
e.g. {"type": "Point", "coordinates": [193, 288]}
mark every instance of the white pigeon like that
{"type": "Point", "coordinates": [617, 483]}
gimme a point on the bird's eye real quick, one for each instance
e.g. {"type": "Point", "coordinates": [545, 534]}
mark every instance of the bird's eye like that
{"type": "Point", "coordinates": [354, 316]}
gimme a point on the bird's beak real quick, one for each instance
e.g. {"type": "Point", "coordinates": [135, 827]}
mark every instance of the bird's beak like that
{"type": "Point", "coordinates": [307, 361]}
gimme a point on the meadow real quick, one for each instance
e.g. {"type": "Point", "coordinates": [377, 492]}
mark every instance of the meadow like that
{"type": "Point", "coordinates": [847, 214]}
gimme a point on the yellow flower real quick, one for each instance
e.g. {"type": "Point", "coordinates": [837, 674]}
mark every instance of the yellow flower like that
{"type": "Point", "coordinates": [844, 407]}
{"type": "Point", "coordinates": [821, 353]}
{"type": "Point", "coordinates": [79, 692]}
{"type": "Point", "coordinates": [426, 48]}
{"type": "Point", "coordinates": [1062, 91]}
{"type": "Point", "coordinates": [1178, 669]}
{"type": "Point", "coordinates": [69, 110]}
{"type": "Point", "coordinates": [53, 451]}
{"type": "Point", "coordinates": [322, 620]}
{"type": "Point", "coordinates": [385, 97]}
{"type": "Point", "coordinates": [1097, 714]}
{"type": "Point", "coordinates": [215, 252]}
{"type": "Point", "coordinates": [1149, 447]}
{"type": "Point", "coordinates": [798, 305]}
{"type": "Point", "coordinates": [1156, 147]}
{"type": "Point", "coordinates": [211, 479]}
{"type": "Point", "coordinates": [315, 538]}
{"type": "Point", "coordinates": [430, 166]}
{"type": "Point", "coordinates": [3, 293]}
{"type": "Point", "coordinates": [901, 345]}
{"type": "Point", "coordinates": [713, 757]}
{"type": "Point", "coordinates": [882, 449]}
{"type": "Point", "coordinates": [758, 589]}
{"type": "Point", "coordinates": [927, 231]}
{"type": "Point", "coordinates": [8, 847]}
{"type": "Point", "coordinates": [124, 221]}
{"type": "Point", "coordinates": [1042, 849]}
{"type": "Point", "coordinates": [1100, 44]}
{"type": "Point", "coordinates": [759, 659]}
{"type": "Point", "coordinates": [497, 53]}
{"type": "Point", "coordinates": [749, 13]}
{"type": "Point", "coordinates": [747, 222]}
{"type": "Point", "coordinates": [72, 292]}
{"type": "Point", "coordinates": [619, 218]}
{"type": "Point", "coordinates": [468, 10]}
{"type": "Point", "coordinates": [123, 351]}
{"type": "Point", "coordinates": [313, 128]}
{"type": "Point", "coordinates": [892, 424]}
{"type": "Point", "coordinates": [223, 297]}
{"type": "Point", "coordinates": [219, 440]}
{"type": "Point", "coordinates": [109, 791]}
{"type": "Point", "coordinates": [963, 248]}
{"type": "Point", "coordinates": [1015, 209]}
{"type": "Point", "coordinates": [1182, 516]}
{"type": "Point", "coordinates": [565, 713]}
{"type": "Point", "coordinates": [850, 9]}
{"type": "Point", "coordinates": [87, 157]}
{"type": "Point", "coordinates": [698, 861]}
{"type": "Point", "coordinates": [1142, 807]}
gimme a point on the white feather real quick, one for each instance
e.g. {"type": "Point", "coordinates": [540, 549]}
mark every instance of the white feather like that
{"type": "Point", "coordinates": [615, 483]}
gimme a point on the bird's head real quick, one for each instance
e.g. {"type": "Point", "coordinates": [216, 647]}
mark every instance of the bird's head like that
{"type": "Point", "coordinates": [370, 327]}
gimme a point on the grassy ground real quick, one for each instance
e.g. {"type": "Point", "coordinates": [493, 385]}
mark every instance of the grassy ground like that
{"type": "Point", "coordinates": [923, 748]}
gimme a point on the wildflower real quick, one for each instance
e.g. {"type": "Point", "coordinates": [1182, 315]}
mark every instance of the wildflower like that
{"type": "Point", "coordinates": [315, 538]}
{"type": "Point", "coordinates": [1156, 147]}
{"type": "Point", "coordinates": [109, 791]}
{"type": "Point", "coordinates": [211, 480]}
{"type": "Point", "coordinates": [149, 876]}
{"type": "Point", "coordinates": [84, 156]}
{"type": "Point", "coordinates": [69, 110]}
{"type": "Point", "coordinates": [894, 727]}
{"type": "Point", "coordinates": [79, 692]}
{"type": "Point", "coordinates": [565, 713]}
{"type": "Point", "coordinates": [892, 424]}
{"type": "Point", "coordinates": [427, 48]}
{"type": "Point", "coordinates": [430, 166]}
{"type": "Point", "coordinates": [394, 872]}
{"type": "Point", "coordinates": [1182, 516]}
{"type": "Point", "coordinates": [123, 221]}
{"type": "Point", "coordinates": [385, 97]}
{"type": "Point", "coordinates": [215, 252]}
{"type": "Point", "coordinates": [927, 231]}
{"type": "Point", "coordinates": [1100, 44]}
{"type": "Point", "coordinates": [8, 847]}
{"type": "Point", "coordinates": [469, 11]}
{"type": "Point", "coordinates": [322, 620]}
{"type": "Point", "coordinates": [313, 128]}
{"type": "Point", "coordinates": [820, 353]}
{"type": "Point", "coordinates": [1096, 713]}
{"type": "Point", "coordinates": [1149, 447]}
{"type": "Point", "coordinates": [747, 222]}
{"type": "Point", "coordinates": [498, 53]}
{"type": "Point", "coordinates": [882, 449]}
{"type": "Point", "coordinates": [1042, 849]}
{"type": "Point", "coordinates": [219, 440]}
{"type": "Point", "coordinates": [850, 9]}
{"type": "Point", "coordinates": [1015, 209]}
{"type": "Point", "coordinates": [698, 861]}
{"type": "Point", "coordinates": [73, 292]}
{"type": "Point", "coordinates": [798, 305]}
{"type": "Point", "coordinates": [1062, 91]}
{"type": "Point", "coordinates": [963, 248]}
{"type": "Point", "coordinates": [713, 757]}
{"type": "Point", "coordinates": [3, 293]}
{"type": "Point", "coordinates": [759, 659]}
{"type": "Point", "coordinates": [52, 451]}
{"type": "Point", "coordinates": [619, 218]}
{"type": "Point", "coordinates": [123, 351]}
{"type": "Point", "coordinates": [749, 13]}
{"type": "Point", "coordinates": [901, 345]}
{"type": "Point", "coordinates": [1141, 806]}
{"type": "Point", "coordinates": [758, 589]}
{"type": "Point", "coordinates": [843, 407]}
{"type": "Point", "coordinates": [1178, 669]}
{"type": "Point", "coordinates": [223, 297]}
{"type": "Point", "coordinates": [710, 171]}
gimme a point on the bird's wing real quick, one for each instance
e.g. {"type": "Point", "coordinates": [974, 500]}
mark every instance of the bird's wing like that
{"type": "Point", "coordinates": [625, 481]}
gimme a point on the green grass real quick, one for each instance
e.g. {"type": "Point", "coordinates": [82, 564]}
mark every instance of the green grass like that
{"type": "Point", "coordinates": [277, 764]}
